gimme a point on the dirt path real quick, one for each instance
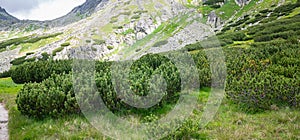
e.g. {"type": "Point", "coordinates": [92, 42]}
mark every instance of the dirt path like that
{"type": "Point", "coordinates": [3, 123]}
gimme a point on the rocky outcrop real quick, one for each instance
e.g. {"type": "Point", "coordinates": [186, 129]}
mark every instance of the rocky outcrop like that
{"type": "Point", "coordinates": [213, 20]}
{"type": "Point", "coordinates": [242, 3]}
{"type": "Point", "coordinates": [144, 27]}
{"type": "Point", "coordinates": [5, 59]}
{"type": "Point", "coordinates": [109, 42]}
{"type": "Point", "coordinates": [189, 35]}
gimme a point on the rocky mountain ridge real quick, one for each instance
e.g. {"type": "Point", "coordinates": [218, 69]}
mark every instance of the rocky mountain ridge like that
{"type": "Point", "coordinates": [6, 19]}
{"type": "Point", "coordinates": [129, 29]}
{"type": "Point", "coordinates": [5, 16]}
{"type": "Point", "coordinates": [80, 12]}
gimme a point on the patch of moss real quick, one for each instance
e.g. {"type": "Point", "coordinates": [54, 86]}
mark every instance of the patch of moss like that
{"type": "Point", "coordinates": [65, 44]}
{"type": "Point", "coordinates": [98, 42]}
{"type": "Point", "coordinates": [110, 47]}
{"type": "Point", "coordinates": [135, 17]}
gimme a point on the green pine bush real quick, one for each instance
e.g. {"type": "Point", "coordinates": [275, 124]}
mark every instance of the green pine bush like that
{"type": "Point", "coordinates": [53, 97]}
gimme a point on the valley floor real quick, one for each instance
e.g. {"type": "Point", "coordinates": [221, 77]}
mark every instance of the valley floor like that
{"type": "Point", "coordinates": [229, 122]}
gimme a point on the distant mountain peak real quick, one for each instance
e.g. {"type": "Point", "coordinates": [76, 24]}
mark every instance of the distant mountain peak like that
{"type": "Point", "coordinates": [2, 9]}
{"type": "Point", "coordinates": [6, 16]}
{"type": "Point", "coordinates": [79, 12]}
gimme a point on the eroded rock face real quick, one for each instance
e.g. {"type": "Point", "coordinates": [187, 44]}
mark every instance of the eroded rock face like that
{"type": "Point", "coordinates": [213, 20]}
{"type": "Point", "coordinates": [189, 35]}
{"type": "Point", "coordinates": [6, 57]}
{"type": "Point", "coordinates": [242, 3]}
{"type": "Point", "coordinates": [136, 29]}
{"type": "Point", "coordinates": [125, 35]}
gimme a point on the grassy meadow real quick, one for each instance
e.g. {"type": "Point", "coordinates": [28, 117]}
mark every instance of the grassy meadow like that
{"type": "Point", "coordinates": [228, 123]}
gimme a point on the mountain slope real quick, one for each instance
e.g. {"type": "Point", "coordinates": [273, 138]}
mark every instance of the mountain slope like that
{"type": "Point", "coordinates": [6, 19]}
{"type": "Point", "coordinates": [5, 16]}
{"type": "Point", "coordinates": [125, 29]}
{"type": "Point", "coordinates": [78, 13]}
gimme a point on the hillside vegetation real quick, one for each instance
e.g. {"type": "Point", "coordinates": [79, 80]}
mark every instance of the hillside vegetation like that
{"type": "Point", "coordinates": [262, 86]}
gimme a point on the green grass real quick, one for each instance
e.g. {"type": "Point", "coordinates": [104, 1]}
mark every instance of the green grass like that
{"type": "Point", "coordinates": [205, 9]}
{"type": "Point", "coordinates": [251, 9]}
{"type": "Point", "coordinates": [135, 17]}
{"type": "Point", "coordinates": [108, 28]}
{"type": "Point", "coordinates": [27, 47]}
{"type": "Point", "coordinates": [143, 41]}
{"type": "Point", "coordinates": [164, 31]}
{"type": "Point", "coordinates": [241, 44]}
{"type": "Point", "coordinates": [22, 127]}
{"type": "Point", "coordinates": [294, 13]}
{"type": "Point", "coordinates": [229, 122]}
{"type": "Point", "coordinates": [7, 86]}
{"type": "Point", "coordinates": [230, 7]}
{"type": "Point", "coordinates": [57, 50]}
{"type": "Point", "coordinates": [8, 91]}
{"type": "Point", "coordinates": [65, 44]}
{"type": "Point", "coordinates": [69, 127]}
{"type": "Point", "coordinates": [246, 8]}
{"type": "Point", "coordinates": [129, 31]}
{"type": "Point", "coordinates": [27, 41]}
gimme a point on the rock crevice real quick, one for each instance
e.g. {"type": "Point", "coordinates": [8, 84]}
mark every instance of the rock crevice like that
{"type": "Point", "coordinates": [242, 3]}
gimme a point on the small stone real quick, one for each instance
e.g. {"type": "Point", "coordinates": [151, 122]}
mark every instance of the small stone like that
{"type": "Point", "coordinates": [239, 122]}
